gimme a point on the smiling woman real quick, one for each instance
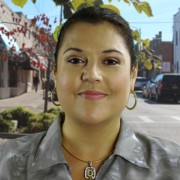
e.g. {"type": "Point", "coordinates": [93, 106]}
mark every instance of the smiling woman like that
{"type": "Point", "coordinates": [95, 72]}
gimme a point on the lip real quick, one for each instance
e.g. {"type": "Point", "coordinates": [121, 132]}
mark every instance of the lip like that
{"type": "Point", "coordinates": [92, 95]}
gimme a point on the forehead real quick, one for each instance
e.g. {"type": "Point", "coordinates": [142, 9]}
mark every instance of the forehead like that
{"type": "Point", "coordinates": [97, 32]}
{"type": "Point", "coordinates": [101, 24]}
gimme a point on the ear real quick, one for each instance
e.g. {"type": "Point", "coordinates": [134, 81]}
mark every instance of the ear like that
{"type": "Point", "coordinates": [134, 73]}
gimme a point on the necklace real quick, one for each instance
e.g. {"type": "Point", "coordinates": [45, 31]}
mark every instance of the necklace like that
{"type": "Point", "coordinates": [90, 171]}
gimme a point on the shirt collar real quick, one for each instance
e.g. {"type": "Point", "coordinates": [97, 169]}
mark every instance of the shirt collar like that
{"type": "Point", "coordinates": [49, 151]}
{"type": "Point", "coordinates": [129, 147]}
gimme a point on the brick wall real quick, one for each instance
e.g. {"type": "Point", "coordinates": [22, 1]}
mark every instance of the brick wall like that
{"type": "Point", "coordinates": [163, 49]}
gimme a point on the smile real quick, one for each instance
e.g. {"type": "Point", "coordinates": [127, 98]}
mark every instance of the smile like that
{"type": "Point", "coordinates": [92, 95]}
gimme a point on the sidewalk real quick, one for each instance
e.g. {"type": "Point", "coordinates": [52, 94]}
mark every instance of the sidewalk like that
{"type": "Point", "coordinates": [31, 100]}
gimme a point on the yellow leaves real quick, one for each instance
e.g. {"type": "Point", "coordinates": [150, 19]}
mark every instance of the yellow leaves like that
{"type": "Point", "coordinates": [19, 3]}
{"type": "Point", "coordinates": [127, 1]}
{"type": "Point", "coordinates": [142, 56]}
{"type": "Point", "coordinates": [56, 32]}
{"type": "Point", "coordinates": [145, 42]}
{"type": "Point", "coordinates": [76, 4]}
{"type": "Point", "coordinates": [148, 64]}
{"type": "Point", "coordinates": [143, 7]}
{"type": "Point", "coordinates": [146, 8]}
{"type": "Point", "coordinates": [84, 3]}
{"type": "Point", "coordinates": [136, 35]}
{"type": "Point", "coordinates": [109, 6]}
{"type": "Point", "coordinates": [137, 6]}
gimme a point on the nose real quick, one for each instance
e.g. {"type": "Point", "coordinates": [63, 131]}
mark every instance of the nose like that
{"type": "Point", "coordinates": [92, 73]}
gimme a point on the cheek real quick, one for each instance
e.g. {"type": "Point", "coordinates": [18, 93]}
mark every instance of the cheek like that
{"type": "Point", "coordinates": [66, 84]}
{"type": "Point", "coordinates": [63, 83]}
{"type": "Point", "coordinates": [121, 85]}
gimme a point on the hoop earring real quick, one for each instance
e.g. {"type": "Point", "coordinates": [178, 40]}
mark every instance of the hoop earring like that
{"type": "Point", "coordinates": [135, 101]}
{"type": "Point", "coordinates": [53, 93]}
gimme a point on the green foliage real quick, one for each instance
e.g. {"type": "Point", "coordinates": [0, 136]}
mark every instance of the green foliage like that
{"type": "Point", "coordinates": [56, 32]}
{"type": "Point", "coordinates": [38, 123]}
{"type": "Point", "coordinates": [6, 125]}
{"type": "Point", "coordinates": [21, 114]}
{"type": "Point", "coordinates": [20, 3]}
{"type": "Point", "coordinates": [28, 121]}
{"type": "Point", "coordinates": [54, 110]}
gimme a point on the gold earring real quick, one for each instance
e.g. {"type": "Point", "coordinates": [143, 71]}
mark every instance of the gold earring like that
{"type": "Point", "coordinates": [135, 102]}
{"type": "Point", "coordinates": [53, 93]}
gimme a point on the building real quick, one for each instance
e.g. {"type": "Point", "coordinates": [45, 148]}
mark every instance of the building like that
{"type": "Point", "coordinates": [164, 50]}
{"type": "Point", "coordinates": [16, 74]}
{"type": "Point", "coordinates": [176, 41]}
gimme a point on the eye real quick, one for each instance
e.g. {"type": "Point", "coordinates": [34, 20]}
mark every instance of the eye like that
{"type": "Point", "coordinates": [111, 61]}
{"type": "Point", "coordinates": [76, 60]}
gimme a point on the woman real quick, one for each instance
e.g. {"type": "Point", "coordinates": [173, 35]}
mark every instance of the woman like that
{"type": "Point", "coordinates": [95, 72]}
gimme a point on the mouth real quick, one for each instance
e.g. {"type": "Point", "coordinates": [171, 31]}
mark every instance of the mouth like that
{"type": "Point", "coordinates": [92, 95]}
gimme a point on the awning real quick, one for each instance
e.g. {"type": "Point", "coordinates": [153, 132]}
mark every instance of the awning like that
{"type": "Point", "coordinates": [30, 61]}
{"type": "Point", "coordinates": [7, 41]}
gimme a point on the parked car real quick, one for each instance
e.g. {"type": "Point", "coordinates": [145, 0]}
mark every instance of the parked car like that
{"type": "Point", "coordinates": [166, 86]}
{"type": "Point", "coordinates": [147, 88]}
{"type": "Point", "coordinates": [140, 83]}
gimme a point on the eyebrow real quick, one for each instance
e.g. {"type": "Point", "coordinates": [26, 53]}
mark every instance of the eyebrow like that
{"type": "Point", "coordinates": [105, 51]}
{"type": "Point", "coordinates": [111, 51]}
{"type": "Point", "coordinates": [72, 49]}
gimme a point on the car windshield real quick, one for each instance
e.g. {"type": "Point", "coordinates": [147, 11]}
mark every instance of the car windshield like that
{"type": "Point", "coordinates": [171, 80]}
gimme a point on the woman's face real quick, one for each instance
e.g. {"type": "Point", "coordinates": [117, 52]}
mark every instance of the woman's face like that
{"type": "Point", "coordinates": [93, 77]}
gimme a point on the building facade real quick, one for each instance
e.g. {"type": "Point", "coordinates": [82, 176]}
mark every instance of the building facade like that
{"type": "Point", "coordinates": [164, 50]}
{"type": "Point", "coordinates": [176, 41]}
{"type": "Point", "coordinates": [16, 77]}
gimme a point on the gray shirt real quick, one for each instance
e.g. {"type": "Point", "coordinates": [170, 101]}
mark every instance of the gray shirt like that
{"type": "Point", "coordinates": [136, 157]}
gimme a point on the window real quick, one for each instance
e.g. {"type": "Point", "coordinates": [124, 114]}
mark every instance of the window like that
{"type": "Point", "coordinates": [176, 38]}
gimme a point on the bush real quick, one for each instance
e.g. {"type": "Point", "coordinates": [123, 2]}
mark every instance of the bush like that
{"type": "Point", "coordinates": [6, 125]}
{"type": "Point", "coordinates": [28, 121]}
{"type": "Point", "coordinates": [21, 114]}
{"type": "Point", "coordinates": [39, 123]}
{"type": "Point", "coordinates": [54, 110]}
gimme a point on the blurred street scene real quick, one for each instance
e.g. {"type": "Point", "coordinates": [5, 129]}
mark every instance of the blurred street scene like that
{"type": "Point", "coordinates": [31, 100]}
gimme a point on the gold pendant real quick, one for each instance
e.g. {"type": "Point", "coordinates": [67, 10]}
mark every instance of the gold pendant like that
{"type": "Point", "coordinates": [90, 171]}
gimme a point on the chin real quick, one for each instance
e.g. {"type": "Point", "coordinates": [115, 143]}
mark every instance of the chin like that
{"type": "Point", "coordinates": [93, 118]}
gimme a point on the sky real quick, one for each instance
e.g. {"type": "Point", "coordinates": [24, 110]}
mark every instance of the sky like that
{"type": "Point", "coordinates": [162, 20]}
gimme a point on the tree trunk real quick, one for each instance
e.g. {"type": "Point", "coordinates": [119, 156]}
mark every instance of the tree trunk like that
{"type": "Point", "coordinates": [47, 86]}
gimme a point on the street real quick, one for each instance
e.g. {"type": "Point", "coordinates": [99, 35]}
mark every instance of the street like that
{"type": "Point", "coordinates": [159, 120]}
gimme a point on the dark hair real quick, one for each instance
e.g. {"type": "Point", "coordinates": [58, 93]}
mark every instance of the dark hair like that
{"type": "Point", "coordinates": [96, 15]}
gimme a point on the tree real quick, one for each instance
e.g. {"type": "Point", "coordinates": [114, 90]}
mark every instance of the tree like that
{"type": "Point", "coordinates": [67, 9]}
{"type": "Point", "coordinates": [70, 6]}
{"type": "Point", "coordinates": [43, 42]}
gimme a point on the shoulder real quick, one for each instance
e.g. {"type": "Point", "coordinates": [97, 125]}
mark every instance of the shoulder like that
{"type": "Point", "coordinates": [158, 143]}
{"type": "Point", "coordinates": [160, 152]}
{"type": "Point", "coordinates": [18, 152]}
{"type": "Point", "coordinates": [24, 143]}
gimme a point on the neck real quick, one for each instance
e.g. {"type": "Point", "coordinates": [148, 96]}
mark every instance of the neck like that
{"type": "Point", "coordinates": [94, 142]}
